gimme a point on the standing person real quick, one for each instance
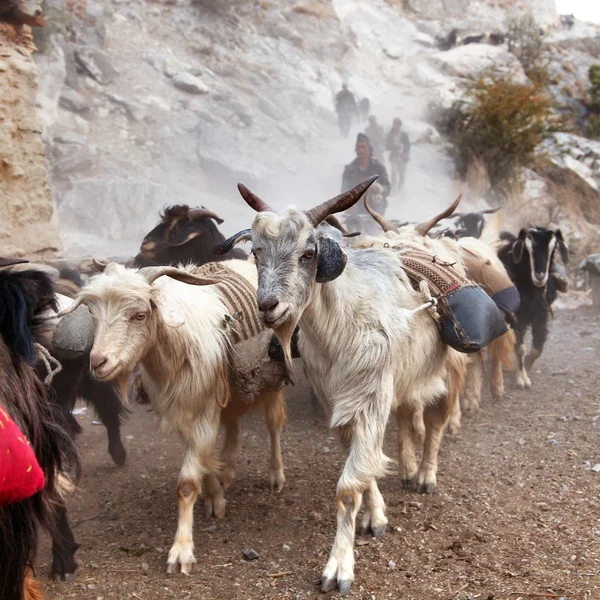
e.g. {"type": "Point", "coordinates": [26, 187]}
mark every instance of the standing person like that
{"type": "Point", "coordinates": [398, 145]}
{"type": "Point", "coordinates": [376, 135]}
{"type": "Point", "coordinates": [361, 168]}
{"type": "Point", "coordinates": [345, 106]}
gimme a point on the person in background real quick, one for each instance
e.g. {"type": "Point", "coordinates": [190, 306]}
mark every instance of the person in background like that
{"type": "Point", "coordinates": [398, 145]}
{"type": "Point", "coordinates": [345, 106]}
{"type": "Point", "coordinates": [361, 168]}
{"type": "Point", "coordinates": [376, 135]}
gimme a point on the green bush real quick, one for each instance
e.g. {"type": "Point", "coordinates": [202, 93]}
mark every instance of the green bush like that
{"type": "Point", "coordinates": [592, 121]}
{"type": "Point", "coordinates": [499, 124]}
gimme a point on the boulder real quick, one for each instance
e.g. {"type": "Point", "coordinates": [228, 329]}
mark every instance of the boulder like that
{"type": "Point", "coordinates": [96, 63]}
{"type": "Point", "coordinates": [188, 83]}
{"type": "Point", "coordinates": [52, 75]}
{"type": "Point", "coordinates": [72, 100]}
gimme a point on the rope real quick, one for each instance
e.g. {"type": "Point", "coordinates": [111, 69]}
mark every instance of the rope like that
{"type": "Point", "coordinates": [226, 390]}
{"type": "Point", "coordinates": [431, 302]}
{"type": "Point", "coordinates": [47, 358]}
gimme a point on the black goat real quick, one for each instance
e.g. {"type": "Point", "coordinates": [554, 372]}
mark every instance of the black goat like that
{"type": "Point", "coordinates": [471, 224]}
{"type": "Point", "coordinates": [529, 260]}
{"type": "Point", "coordinates": [24, 297]}
{"type": "Point", "coordinates": [184, 235]}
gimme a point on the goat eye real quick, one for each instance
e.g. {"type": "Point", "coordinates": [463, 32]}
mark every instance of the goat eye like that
{"type": "Point", "coordinates": [139, 316]}
{"type": "Point", "coordinates": [308, 255]}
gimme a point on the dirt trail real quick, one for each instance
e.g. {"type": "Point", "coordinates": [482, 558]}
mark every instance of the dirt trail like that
{"type": "Point", "coordinates": [516, 512]}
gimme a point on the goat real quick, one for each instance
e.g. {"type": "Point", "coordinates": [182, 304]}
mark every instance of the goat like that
{"type": "Point", "coordinates": [529, 260]}
{"type": "Point", "coordinates": [461, 253]}
{"type": "Point", "coordinates": [365, 349]}
{"type": "Point", "coordinates": [24, 298]}
{"type": "Point", "coordinates": [177, 334]}
{"type": "Point", "coordinates": [184, 235]}
{"type": "Point", "coordinates": [75, 381]}
{"type": "Point", "coordinates": [471, 224]}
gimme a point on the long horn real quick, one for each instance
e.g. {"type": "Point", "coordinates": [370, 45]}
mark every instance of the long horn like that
{"type": "Point", "coordinates": [227, 245]}
{"type": "Point", "coordinates": [253, 200]}
{"type": "Point", "coordinates": [335, 222]}
{"type": "Point", "coordinates": [490, 211]}
{"type": "Point", "coordinates": [385, 225]}
{"type": "Point", "coordinates": [199, 213]}
{"type": "Point", "coordinates": [339, 203]}
{"type": "Point", "coordinates": [424, 228]}
{"type": "Point", "coordinates": [7, 262]}
{"type": "Point", "coordinates": [151, 274]}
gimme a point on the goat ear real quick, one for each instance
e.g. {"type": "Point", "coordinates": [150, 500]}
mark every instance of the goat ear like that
{"type": "Point", "coordinates": [169, 309]}
{"type": "Point", "coordinates": [519, 245]}
{"type": "Point", "coordinates": [331, 260]}
{"type": "Point", "coordinates": [562, 246]}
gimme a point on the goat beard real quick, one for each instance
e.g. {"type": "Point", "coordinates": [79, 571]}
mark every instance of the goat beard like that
{"type": "Point", "coordinates": [284, 334]}
{"type": "Point", "coordinates": [122, 381]}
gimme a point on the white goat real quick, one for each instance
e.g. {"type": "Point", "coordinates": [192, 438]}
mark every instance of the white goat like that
{"type": "Point", "coordinates": [175, 333]}
{"type": "Point", "coordinates": [366, 352]}
{"type": "Point", "coordinates": [457, 252]}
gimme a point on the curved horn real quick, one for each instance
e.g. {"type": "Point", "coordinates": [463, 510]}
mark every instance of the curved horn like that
{"type": "Point", "coordinates": [335, 222]}
{"type": "Point", "coordinates": [339, 203]}
{"type": "Point", "coordinates": [252, 200]}
{"type": "Point", "coordinates": [490, 211]}
{"type": "Point", "coordinates": [7, 262]}
{"type": "Point", "coordinates": [151, 274]}
{"type": "Point", "coordinates": [71, 308]}
{"type": "Point", "coordinates": [227, 245]}
{"type": "Point", "coordinates": [99, 264]}
{"type": "Point", "coordinates": [424, 228]}
{"type": "Point", "coordinates": [385, 225]}
{"type": "Point", "coordinates": [199, 213]}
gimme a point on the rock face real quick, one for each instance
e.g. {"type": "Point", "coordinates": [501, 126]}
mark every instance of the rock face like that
{"type": "Point", "coordinates": [26, 208]}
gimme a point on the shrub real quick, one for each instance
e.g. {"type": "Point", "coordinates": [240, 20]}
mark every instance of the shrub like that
{"type": "Point", "coordinates": [500, 124]}
{"type": "Point", "coordinates": [526, 42]}
{"type": "Point", "coordinates": [592, 125]}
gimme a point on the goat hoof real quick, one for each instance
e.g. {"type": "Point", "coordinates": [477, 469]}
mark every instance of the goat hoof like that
{"type": "Point", "coordinates": [118, 454]}
{"type": "Point", "coordinates": [328, 584]}
{"type": "Point", "coordinates": [186, 568]}
{"type": "Point", "coordinates": [277, 481]}
{"type": "Point", "coordinates": [378, 531]}
{"type": "Point", "coordinates": [215, 507]}
{"type": "Point", "coordinates": [66, 577]}
{"type": "Point", "coordinates": [227, 478]}
{"type": "Point", "coordinates": [408, 484]}
{"type": "Point", "coordinates": [172, 568]}
{"type": "Point", "coordinates": [427, 488]}
{"type": "Point", "coordinates": [344, 586]}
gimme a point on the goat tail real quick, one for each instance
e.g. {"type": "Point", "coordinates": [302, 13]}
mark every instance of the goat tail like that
{"type": "Point", "coordinates": [32, 589]}
{"type": "Point", "coordinates": [503, 349]}
{"type": "Point", "coordinates": [491, 230]}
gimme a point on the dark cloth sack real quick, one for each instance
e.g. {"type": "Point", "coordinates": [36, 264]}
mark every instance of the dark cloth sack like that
{"type": "Point", "coordinates": [468, 318]}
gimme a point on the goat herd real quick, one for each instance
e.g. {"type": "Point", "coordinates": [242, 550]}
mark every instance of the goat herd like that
{"type": "Point", "coordinates": [368, 316]}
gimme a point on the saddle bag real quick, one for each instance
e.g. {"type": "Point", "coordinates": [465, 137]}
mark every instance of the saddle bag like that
{"type": "Point", "coordinates": [496, 283]}
{"type": "Point", "coordinates": [468, 319]}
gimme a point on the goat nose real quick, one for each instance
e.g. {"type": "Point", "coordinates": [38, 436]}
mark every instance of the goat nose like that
{"type": "Point", "coordinates": [269, 303]}
{"type": "Point", "coordinates": [97, 359]}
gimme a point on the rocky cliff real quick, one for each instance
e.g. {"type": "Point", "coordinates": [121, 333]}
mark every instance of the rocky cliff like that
{"type": "Point", "coordinates": [26, 224]}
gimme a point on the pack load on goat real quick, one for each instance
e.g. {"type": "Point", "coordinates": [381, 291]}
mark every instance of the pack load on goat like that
{"type": "Point", "coordinates": [468, 319]}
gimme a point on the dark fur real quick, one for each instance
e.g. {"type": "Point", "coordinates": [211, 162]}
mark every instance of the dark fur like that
{"type": "Point", "coordinates": [179, 239]}
{"type": "Point", "coordinates": [536, 302]}
{"type": "Point", "coordinates": [23, 297]}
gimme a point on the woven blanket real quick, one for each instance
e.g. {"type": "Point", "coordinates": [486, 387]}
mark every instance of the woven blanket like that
{"type": "Point", "coordinates": [239, 296]}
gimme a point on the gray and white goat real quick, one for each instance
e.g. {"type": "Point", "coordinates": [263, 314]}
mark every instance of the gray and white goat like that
{"type": "Point", "coordinates": [366, 349]}
{"type": "Point", "coordinates": [151, 317]}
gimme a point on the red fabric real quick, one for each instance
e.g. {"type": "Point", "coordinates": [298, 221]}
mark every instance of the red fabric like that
{"type": "Point", "coordinates": [20, 473]}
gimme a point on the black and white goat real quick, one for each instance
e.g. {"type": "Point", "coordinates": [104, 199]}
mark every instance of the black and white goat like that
{"type": "Point", "coordinates": [24, 298]}
{"type": "Point", "coordinates": [529, 260]}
